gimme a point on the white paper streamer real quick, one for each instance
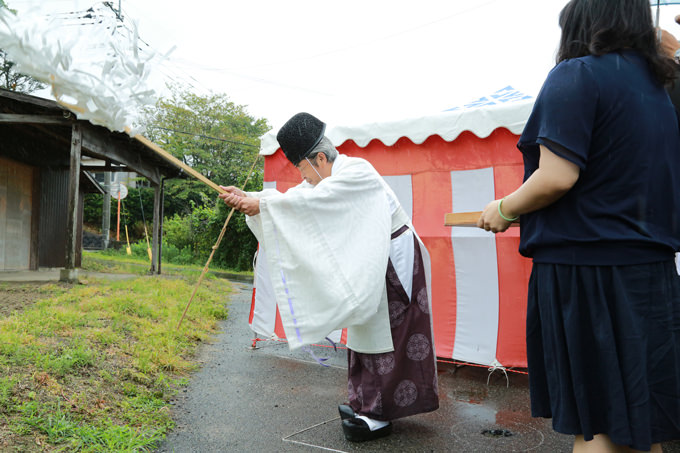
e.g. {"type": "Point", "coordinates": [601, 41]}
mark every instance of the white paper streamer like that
{"type": "Point", "coordinates": [96, 69]}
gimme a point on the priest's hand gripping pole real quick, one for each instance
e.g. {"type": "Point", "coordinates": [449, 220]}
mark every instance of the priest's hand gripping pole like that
{"type": "Point", "coordinates": [217, 244]}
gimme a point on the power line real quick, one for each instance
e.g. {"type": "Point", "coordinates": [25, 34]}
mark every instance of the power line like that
{"type": "Point", "coordinates": [116, 12]}
{"type": "Point", "coordinates": [205, 136]}
{"type": "Point", "coordinates": [99, 12]}
{"type": "Point", "coordinates": [365, 43]}
{"type": "Point", "coordinates": [173, 68]}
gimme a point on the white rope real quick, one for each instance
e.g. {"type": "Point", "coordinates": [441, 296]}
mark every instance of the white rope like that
{"type": "Point", "coordinates": [287, 438]}
{"type": "Point", "coordinates": [497, 366]}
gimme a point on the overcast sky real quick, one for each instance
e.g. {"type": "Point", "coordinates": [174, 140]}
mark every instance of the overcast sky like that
{"type": "Point", "coordinates": [349, 61]}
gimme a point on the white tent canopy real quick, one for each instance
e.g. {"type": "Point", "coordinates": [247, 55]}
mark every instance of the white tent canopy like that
{"type": "Point", "coordinates": [505, 108]}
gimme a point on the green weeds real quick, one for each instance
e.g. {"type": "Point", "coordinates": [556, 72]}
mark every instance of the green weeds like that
{"type": "Point", "coordinates": [93, 367]}
{"type": "Point", "coordinates": [7, 384]}
{"type": "Point", "coordinates": [119, 262]}
{"type": "Point", "coordinates": [60, 428]}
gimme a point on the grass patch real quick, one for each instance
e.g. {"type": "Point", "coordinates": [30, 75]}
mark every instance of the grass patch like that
{"type": "Point", "coordinates": [117, 261]}
{"type": "Point", "coordinates": [60, 428]}
{"type": "Point", "coordinates": [92, 367]}
{"type": "Point", "coordinates": [93, 261]}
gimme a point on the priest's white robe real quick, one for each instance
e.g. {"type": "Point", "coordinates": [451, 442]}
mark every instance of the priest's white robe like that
{"type": "Point", "coordinates": [327, 248]}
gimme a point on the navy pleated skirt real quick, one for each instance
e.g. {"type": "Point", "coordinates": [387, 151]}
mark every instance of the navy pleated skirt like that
{"type": "Point", "coordinates": [603, 346]}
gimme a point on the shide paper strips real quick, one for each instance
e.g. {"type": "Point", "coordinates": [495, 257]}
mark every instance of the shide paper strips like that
{"type": "Point", "coordinates": [95, 68]}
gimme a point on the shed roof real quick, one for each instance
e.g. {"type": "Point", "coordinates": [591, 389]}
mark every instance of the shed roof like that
{"type": "Point", "coordinates": [38, 131]}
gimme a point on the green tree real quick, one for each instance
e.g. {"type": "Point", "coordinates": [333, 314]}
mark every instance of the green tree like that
{"type": "Point", "coordinates": [211, 134]}
{"type": "Point", "coordinates": [219, 139]}
{"type": "Point", "coordinates": [10, 79]}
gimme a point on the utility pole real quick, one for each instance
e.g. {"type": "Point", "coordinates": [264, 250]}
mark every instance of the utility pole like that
{"type": "Point", "coordinates": [118, 13]}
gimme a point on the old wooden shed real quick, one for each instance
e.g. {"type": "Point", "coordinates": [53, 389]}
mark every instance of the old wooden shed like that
{"type": "Point", "coordinates": [42, 181]}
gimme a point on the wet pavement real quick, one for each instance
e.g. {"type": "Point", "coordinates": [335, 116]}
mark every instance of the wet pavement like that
{"type": "Point", "coordinates": [272, 400]}
{"type": "Point", "coordinates": [269, 399]}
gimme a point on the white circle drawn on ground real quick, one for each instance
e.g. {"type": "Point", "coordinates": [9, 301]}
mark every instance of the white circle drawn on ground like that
{"type": "Point", "coordinates": [524, 438]}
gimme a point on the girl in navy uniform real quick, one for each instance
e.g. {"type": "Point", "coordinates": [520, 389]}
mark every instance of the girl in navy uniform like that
{"type": "Point", "coordinates": [600, 216]}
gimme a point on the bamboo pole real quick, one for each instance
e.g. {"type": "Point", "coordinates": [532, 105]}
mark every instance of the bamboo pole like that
{"type": "Point", "coordinates": [169, 157]}
{"type": "Point", "coordinates": [214, 248]}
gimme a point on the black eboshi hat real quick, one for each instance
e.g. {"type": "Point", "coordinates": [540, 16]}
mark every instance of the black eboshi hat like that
{"type": "Point", "coordinates": [300, 135]}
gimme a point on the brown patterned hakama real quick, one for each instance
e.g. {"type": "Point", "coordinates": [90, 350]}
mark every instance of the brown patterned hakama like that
{"type": "Point", "coordinates": [402, 382]}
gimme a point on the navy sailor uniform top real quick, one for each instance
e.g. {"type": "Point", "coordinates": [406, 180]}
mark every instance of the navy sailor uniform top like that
{"type": "Point", "coordinates": [609, 116]}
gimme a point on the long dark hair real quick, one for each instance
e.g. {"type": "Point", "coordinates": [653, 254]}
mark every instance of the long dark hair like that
{"type": "Point", "coordinates": [597, 27]}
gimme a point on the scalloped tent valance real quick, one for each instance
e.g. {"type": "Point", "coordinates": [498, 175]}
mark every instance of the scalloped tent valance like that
{"type": "Point", "coordinates": [481, 121]}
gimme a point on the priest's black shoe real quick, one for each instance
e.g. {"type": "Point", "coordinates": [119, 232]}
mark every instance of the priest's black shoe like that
{"type": "Point", "coordinates": [346, 411]}
{"type": "Point", "coordinates": [357, 430]}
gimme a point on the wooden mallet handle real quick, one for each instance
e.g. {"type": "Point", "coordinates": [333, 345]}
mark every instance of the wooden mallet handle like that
{"type": "Point", "coordinates": [462, 218]}
{"type": "Point", "coordinates": [466, 219]}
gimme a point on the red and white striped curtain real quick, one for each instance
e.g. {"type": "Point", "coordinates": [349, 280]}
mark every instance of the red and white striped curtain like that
{"type": "Point", "coordinates": [479, 280]}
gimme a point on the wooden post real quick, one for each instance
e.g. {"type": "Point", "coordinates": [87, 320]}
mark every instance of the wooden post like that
{"type": "Point", "coordinates": [34, 261]}
{"type": "Point", "coordinates": [118, 221]}
{"type": "Point", "coordinates": [70, 273]}
{"type": "Point", "coordinates": [160, 227]}
{"type": "Point", "coordinates": [156, 239]}
{"type": "Point", "coordinates": [106, 209]}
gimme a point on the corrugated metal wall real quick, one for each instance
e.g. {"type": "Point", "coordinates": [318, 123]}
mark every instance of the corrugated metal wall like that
{"type": "Point", "coordinates": [16, 196]}
{"type": "Point", "coordinates": [53, 206]}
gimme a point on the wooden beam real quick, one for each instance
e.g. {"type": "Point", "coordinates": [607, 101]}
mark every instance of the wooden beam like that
{"type": "Point", "coordinates": [102, 146]}
{"type": "Point", "coordinates": [28, 99]}
{"type": "Point", "coordinates": [105, 169]}
{"type": "Point", "coordinates": [15, 118]}
{"type": "Point", "coordinates": [466, 219]}
{"type": "Point", "coordinates": [47, 131]}
{"type": "Point", "coordinates": [73, 195]}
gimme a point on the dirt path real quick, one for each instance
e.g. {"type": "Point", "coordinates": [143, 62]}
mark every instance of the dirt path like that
{"type": "Point", "coordinates": [15, 297]}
